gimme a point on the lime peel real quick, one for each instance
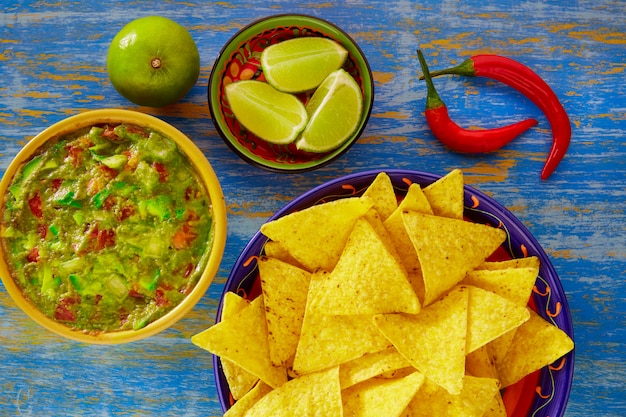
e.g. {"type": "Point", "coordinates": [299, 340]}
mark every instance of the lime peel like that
{"type": "Point", "coordinates": [301, 64]}
{"type": "Point", "coordinates": [335, 111]}
{"type": "Point", "coordinates": [272, 115]}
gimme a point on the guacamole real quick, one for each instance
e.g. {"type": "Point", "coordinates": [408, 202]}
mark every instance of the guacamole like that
{"type": "Point", "coordinates": [107, 228]}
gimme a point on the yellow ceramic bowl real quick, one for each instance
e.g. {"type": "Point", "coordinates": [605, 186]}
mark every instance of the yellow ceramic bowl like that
{"type": "Point", "coordinates": [205, 172]}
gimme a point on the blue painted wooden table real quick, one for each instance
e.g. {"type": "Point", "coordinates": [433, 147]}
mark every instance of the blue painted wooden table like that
{"type": "Point", "coordinates": [53, 65]}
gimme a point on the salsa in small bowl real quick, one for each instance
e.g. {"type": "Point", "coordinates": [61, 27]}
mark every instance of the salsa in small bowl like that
{"type": "Point", "coordinates": [112, 226]}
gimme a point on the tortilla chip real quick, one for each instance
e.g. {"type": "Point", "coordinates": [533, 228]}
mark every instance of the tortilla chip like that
{"type": "Point", "coordinates": [315, 236]}
{"type": "Point", "coordinates": [329, 340]}
{"type": "Point", "coordinates": [446, 195]}
{"type": "Point", "coordinates": [434, 340]}
{"type": "Point", "coordinates": [371, 365]}
{"type": "Point", "coordinates": [381, 397]}
{"type": "Point", "coordinates": [432, 400]}
{"type": "Point", "coordinates": [312, 395]}
{"type": "Point", "coordinates": [285, 288]}
{"type": "Point", "coordinates": [382, 194]}
{"type": "Point", "coordinates": [239, 380]}
{"type": "Point", "coordinates": [360, 282]}
{"type": "Point", "coordinates": [527, 262]}
{"type": "Point", "coordinates": [490, 316]}
{"type": "Point", "coordinates": [241, 407]}
{"type": "Point", "coordinates": [514, 284]}
{"type": "Point", "coordinates": [496, 407]}
{"type": "Point", "coordinates": [537, 343]}
{"type": "Point", "coordinates": [414, 201]}
{"type": "Point", "coordinates": [277, 251]}
{"type": "Point", "coordinates": [242, 339]}
{"type": "Point", "coordinates": [480, 363]}
{"type": "Point", "coordinates": [500, 346]}
{"type": "Point", "coordinates": [374, 219]}
{"type": "Point", "coordinates": [397, 373]}
{"type": "Point", "coordinates": [448, 249]}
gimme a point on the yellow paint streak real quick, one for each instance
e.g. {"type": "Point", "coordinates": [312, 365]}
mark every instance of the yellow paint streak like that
{"type": "Point", "coordinates": [525, 41]}
{"type": "Point", "coordinates": [379, 139]}
{"type": "Point", "coordinates": [391, 115]}
{"type": "Point", "coordinates": [612, 71]}
{"type": "Point", "coordinates": [65, 77]}
{"type": "Point", "coordinates": [6, 55]}
{"type": "Point", "coordinates": [462, 41]}
{"type": "Point", "coordinates": [603, 35]}
{"type": "Point", "coordinates": [373, 36]}
{"type": "Point", "coordinates": [180, 109]}
{"type": "Point", "coordinates": [37, 94]}
{"type": "Point", "coordinates": [382, 77]}
{"type": "Point", "coordinates": [493, 170]}
{"type": "Point", "coordinates": [33, 113]}
{"type": "Point", "coordinates": [245, 210]}
{"type": "Point", "coordinates": [563, 254]}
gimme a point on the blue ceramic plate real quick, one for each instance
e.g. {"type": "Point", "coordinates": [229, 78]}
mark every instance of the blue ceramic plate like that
{"type": "Point", "coordinates": [542, 394]}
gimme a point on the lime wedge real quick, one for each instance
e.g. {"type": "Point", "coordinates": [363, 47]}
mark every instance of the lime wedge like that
{"type": "Point", "coordinates": [273, 116]}
{"type": "Point", "coordinates": [301, 64]}
{"type": "Point", "coordinates": [334, 113]}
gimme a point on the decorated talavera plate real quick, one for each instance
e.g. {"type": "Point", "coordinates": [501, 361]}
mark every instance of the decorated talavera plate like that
{"type": "Point", "coordinates": [543, 393]}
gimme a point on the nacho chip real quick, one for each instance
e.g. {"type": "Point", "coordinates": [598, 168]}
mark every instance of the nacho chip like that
{"type": "Point", "coordinates": [239, 380]}
{"type": "Point", "coordinates": [448, 249]}
{"type": "Point", "coordinates": [371, 365]}
{"type": "Point", "coordinates": [446, 195]}
{"type": "Point", "coordinates": [432, 400]}
{"type": "Point", "coordinates": [285, 288]}
{"type": "Point", "coordinates": [315, 236]}
{"type": "Point", "coordinates": [314, 395]}
{"type": "Point", "coordinates": [242, 339]}
{"type": "Point", "coordinates": [381, 397]}
{"type": "Point", "coordinates": [277, 251]}
{"type": "Point", "coordinates": [374, 219]}
{"type": "Point", "coordinates": [382, 194]}
{"type": "Point", "coordinates": [490, 316]}
{"type": "Point", "coordinates": [360, 282]}
{"type": "Point", "coordinates": [241, 407]}
{"type": "Point", "coordinates": [514, 284]}
{"type": "Point", "coordinates": [527, 262]}
{"type": "Point", "coordinates": [434, 340]}
{"type": "Point", "coordinates": [500, 346]}
{"type": "Point", "coordinates": [496, 407]}
{"type": "Point", "coordinates": [537, 343]}
{"type": "Point", "coordinates": [328, 340]}
{"type": "Point", "coordinates": [415, 200]}
{"type": "Point", "coordinates": [480, 363]}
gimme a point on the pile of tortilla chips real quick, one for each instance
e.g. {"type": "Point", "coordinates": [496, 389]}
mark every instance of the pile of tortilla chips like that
{"type": "Point", "coordinates": [371, 307]}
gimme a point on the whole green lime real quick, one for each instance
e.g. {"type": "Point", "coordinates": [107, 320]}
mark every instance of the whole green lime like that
{"type": "Point", "coordinates": [153, 61]}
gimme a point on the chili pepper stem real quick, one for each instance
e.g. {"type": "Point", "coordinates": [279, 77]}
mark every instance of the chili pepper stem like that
{"type": "Point", "coordinates": [465, 68]}
{"type": "Point", "coordinates": [433, 100]}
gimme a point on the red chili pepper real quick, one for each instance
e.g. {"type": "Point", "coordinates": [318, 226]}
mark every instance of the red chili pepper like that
{"type": "Point", "coordinates": [458, 138]}
{"type": "Point", "coordinates": [530, 84]}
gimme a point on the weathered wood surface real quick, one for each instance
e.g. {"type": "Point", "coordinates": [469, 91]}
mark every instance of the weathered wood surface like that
{"type": "Point", "coordinates": [53, 64]}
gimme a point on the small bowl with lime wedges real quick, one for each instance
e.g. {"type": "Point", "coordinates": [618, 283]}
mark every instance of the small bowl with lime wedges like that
{"type": "Point", "coordinates": [290, 93]}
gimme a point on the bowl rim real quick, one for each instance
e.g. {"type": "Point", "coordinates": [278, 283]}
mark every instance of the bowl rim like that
{"type": "Point", "coordinates": [228, 138]}
{"type": "Point", "coordinates": [545, 377]}
{"type": "Point", "coordinates": [210, 180]}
